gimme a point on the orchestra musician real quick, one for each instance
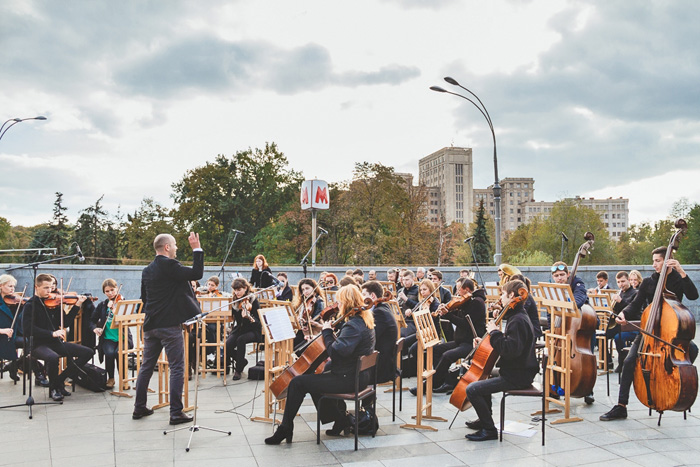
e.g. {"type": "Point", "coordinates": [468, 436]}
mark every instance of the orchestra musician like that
{"type": "Point", "coordinates": [7, 332]}
{"type": "Point", "coordinates": [445, 354]}
{"type": "Point", "coordinates": [517, 363]}
{"type": "Point", "coordinates": [168, 301]}
{"type": "Point", "coordinates": [48, 341]}
{"type": "Point", "coordinates": [635, 279]}
{"type": "Point", "coordinates": [284, 291]}
{"type": "Point", "coordinates": [308, 305]}
{"type": "Point", "coordinates": [445, 297]}
{"type": "Point", "coordinates": [504, 273]}
{"type": "Point", "coordinates": [212, 288]}
{"type": "Point", "coordinates": [619, 301]}
{"type": "Point", "coordinates": [247, 328]}
{"type": "Point", "coordinates": [408, 299]}
{"type": "Point", "coordinates": [602, 281]}
{"type": "Point", "coordinates": [681, 286]}
{"type": "Point", "coordinates": [355, 339]}
{"type": "Point", "coordinates": [560, 275]}
{"type": "Point", "coordinates": [261, 275]}
{"type": "Point", "coordinates": [530, 306]}
{"type": "Point", "coordinates": [329, 282]}
{"type": "Point", "coordinates": [101, 325]}
{"type": "Point", "coordinates": [385, 332]}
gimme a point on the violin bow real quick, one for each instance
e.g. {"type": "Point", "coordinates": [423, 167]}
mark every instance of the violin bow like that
{"type": "Point", "coordinates": [21, 302]}
{"type": "Point", "coordinates": [114, 304]}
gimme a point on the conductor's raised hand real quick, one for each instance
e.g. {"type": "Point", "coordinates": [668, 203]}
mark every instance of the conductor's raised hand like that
{"type": "Point", "coordinates": [194, 240]}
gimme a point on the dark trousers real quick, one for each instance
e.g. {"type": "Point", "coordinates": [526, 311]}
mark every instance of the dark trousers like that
{"type": "Point", "coordinates": [111, 351]}
{"type": "Point", "coordinates": [50, 354]}
{"type": "Point", "coordinates": [315, 385]}
{"type": "Point", "coordinates": [445, 355]}
{"type": "Point", "coordinates": [479, 394]}
{"type": "Point", "coordinates": [154, 341]}
{"type": "Point", "coordinates": [236, 347]}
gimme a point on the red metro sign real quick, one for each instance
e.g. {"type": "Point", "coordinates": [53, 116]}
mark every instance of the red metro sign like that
{"type": "Point", "coordinates": [314, 195]}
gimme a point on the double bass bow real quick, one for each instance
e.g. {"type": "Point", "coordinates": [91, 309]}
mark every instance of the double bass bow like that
{"type": "Point", "coordinates": [483, 358]}
{"type": "Point", "coordinates": [664, 376]}
{"type": "Point", "coordinates": [583, 363]}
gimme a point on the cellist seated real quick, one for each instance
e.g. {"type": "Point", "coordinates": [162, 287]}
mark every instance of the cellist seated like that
{"type": "Point", "coordinates": [518, 364]}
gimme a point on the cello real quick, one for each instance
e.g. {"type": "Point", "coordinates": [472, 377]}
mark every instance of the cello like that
{"type": "Point", "coordinates": [664, 376]}
{"type": "Point", "coordinates": [483, 358]}
{"type": "Point", "coordinates": [583, 364]}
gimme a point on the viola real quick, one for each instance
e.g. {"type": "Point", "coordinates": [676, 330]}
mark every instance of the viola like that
{"type": "Point", "coordinates": [483, 358]}
{"type": "Point", "coordinates": [664, 376]}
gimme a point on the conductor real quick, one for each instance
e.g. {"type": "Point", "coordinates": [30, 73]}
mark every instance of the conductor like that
{"type": "Point", "coordinates": [168, 301]}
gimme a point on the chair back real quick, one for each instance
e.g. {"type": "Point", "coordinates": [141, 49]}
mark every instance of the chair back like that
{"type": "Point", "coordinates": [398, 347]}
{"type": "Point", "coordinates": [367, 361]}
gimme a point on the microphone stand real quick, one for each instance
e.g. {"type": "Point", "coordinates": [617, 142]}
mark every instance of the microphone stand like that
{"type": "Point", "coordinates": [223, 264]}
{"type": "Point", "coordinates": [305, 260]}
{"type": "Point", "coordinates": [563, 239]}
{"type": "Point", "coordinates": [29, 341]}
{"type": "Point", "coordinates": [476, 263]}
{"type": "Point", "coordinates": [194, 427]}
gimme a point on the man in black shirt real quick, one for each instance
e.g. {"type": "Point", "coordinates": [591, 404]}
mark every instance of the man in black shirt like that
{"type": "Point", "coordinates": [680, 285]}
{"type": "Point", "coordinates": [620, 300]}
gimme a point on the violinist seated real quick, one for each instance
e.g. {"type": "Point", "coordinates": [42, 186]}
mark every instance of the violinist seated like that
{"type": "Point", "coordinates": [530, 306]}
{"type": "Point", "coordinates": [48, 341]}
{"type": "Point", "coordinates": [101, 325]}
{"type": "Point", "coordinates": [284, 291]}
{"type": "Point", "coordinates": [355, 339]}
{"type": "Point", "coordinates": [9, 303]}
{"type": "Point", "coordinates": [427, 300]}
{"type": "Point", "coordinates": [468, 302]}
{"type": "Point", "coordinates": [407, 296]}
{"type": "Point", "coordinates": [517, 363]}
{"type": "Point", "coordinates": [445, 297]}
{"type": "Point", "coordinates": [247, 328]}
{"type": "Point", "coordinates": [308, 305]}
{"type": "Point", "coordinates": [619, 301]}
{"type": "Point", "coordinates": [678, 283]}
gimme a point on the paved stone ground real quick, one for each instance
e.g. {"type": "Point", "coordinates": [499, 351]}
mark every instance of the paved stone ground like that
{"type": "Point", "coordinates": [96, 429]}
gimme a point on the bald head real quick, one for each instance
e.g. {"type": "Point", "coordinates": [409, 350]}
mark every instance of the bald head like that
{"type": "Point", "coordinates": [164, 244]}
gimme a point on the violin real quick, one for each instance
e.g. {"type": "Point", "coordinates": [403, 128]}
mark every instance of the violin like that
{"type": "Point", "coordinates": [69, 298]}
{"type": "Point", "coordinates": [245, 307]}
{"type": "Point", "coordinates": [15, 299]}
{"type": "Point", "coordinates": [456, 302]}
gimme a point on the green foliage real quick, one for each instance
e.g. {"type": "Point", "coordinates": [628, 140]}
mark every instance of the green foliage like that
{"type": "Point", "coordinates": [96, 235]}
{"type": "Point", "coordinates": [244, 192]}
{"type": "Point", "coordinates": [141, 227]}
{"type": "Point", "coordinates": [482, 242]}
{"type": "Point", "coordinates": [689, 250]}
{"type": "Point", "coordinates": [531, 258]}
{"type": "Point", "coordinates": [56, 234]}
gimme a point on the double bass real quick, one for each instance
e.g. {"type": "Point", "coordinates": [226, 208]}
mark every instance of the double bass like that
{"type": "Point", "coordinates": [583, 363]}
{"type": "Point", "coordinates": [664, 376]}
{"type": "Point", "coordinates": [483, 358]}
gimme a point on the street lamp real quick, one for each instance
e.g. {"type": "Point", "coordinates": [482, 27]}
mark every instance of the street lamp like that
{"type": "Point", "coordinates": [496, 185]}
{"type": "Point", "coordinates": [15, 121]}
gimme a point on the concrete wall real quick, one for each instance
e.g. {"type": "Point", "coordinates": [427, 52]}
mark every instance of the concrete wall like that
{"type": "Point", "coordinates": [88, 278]}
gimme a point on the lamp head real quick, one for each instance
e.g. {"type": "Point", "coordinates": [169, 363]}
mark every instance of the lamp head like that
{"type": "Point", "coordinates": [437, 89]}
{"type": "Point", "coordinates": [451, 81]}
{"type": "Point", "coordinates": [40, 117]}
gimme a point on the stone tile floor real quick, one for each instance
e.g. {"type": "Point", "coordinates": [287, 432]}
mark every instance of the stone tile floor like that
{"type": "Point", "coordinates": [96, 429]}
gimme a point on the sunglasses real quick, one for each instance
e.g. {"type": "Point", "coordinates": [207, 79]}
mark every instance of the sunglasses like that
{"type": "Point", "coordinates": [558, 267]}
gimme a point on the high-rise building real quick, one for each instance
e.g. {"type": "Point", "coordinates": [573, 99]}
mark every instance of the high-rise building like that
{"type": "Point", "coordinates": [514, 193]}
{"type": "Point", "coordinates": [448, 174]}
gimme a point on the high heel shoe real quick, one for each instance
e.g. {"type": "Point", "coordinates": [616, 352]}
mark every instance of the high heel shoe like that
{"type": "Point", "coordinates": [340, 428]}
{"type": "Point", "coordinates": [282, 433]}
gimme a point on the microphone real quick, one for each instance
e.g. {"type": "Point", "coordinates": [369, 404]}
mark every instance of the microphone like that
{"type": "Point", "coordinates": [563, 235]}
{"type": "Point", "coordinates": [274, 279]}
{"type": "Point", "coordinates": [81, 258]}
{"type": "Point", "coordinates": [469, 239]}
{"type": "Point", "coordinates": [323, 230]}
{"type": "Point", "coordinates": [239, 231]}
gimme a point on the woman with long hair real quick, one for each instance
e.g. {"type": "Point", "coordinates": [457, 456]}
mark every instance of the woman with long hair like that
{"type": "Point", "coordinates": [261, 275]}
{"type": "Point", "coordinates": [308, 304]}
{"type": "Point", "coordinates": [247, 327]}
{"type": "Point", "coordinates": [635, 279]}
{"type": "Point", "coordinates": [356, 339]}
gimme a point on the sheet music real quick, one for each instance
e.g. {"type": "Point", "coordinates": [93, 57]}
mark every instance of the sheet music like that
{"type": "Point", "coordinates": [277, 324]}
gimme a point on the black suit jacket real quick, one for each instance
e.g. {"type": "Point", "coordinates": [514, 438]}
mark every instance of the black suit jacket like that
{"type": "Point", "coordinates": [386, 333]}
{"type": "Point", "coordinates": [168, 298]}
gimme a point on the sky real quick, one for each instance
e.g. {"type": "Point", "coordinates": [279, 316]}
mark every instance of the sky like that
{"type": "Point", "coordinates": [588, 98]}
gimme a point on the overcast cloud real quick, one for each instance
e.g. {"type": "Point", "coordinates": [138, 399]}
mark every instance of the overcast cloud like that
{"type": "Point", "coordinates": [589, 98]}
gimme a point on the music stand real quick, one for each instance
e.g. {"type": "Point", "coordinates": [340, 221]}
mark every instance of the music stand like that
{"type": "Point", "coordinates": [194, 427]}
{"type": "Point", "coordinates": [29, 341]}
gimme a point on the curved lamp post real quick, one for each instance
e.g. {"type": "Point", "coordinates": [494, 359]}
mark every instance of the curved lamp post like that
{"type": "Point", "coordinates": [496, 186]}
{"type": "Point", "coordinates": [15, 121]}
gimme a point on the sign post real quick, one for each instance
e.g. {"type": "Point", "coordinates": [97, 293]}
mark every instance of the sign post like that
{"type": "Point", "coordinates": [314, 196]}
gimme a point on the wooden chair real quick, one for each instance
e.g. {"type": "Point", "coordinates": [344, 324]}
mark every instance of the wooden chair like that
{"type": "Point", "coordinates": [330, 297]}
{"type": "Point", "coordinates": [532, 391]}
{"type": "Point", "coordinates": [363, 363]}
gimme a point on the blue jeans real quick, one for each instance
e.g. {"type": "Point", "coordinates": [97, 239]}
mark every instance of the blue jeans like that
{"type": "Point", "coordinates": [154, 341]}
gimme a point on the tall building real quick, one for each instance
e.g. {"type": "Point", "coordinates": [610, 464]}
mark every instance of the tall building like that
{"type": "Point", "coordinates": [448, 174]}
{"type": "Point", "coordinates": [613, 212]}
{"type": "Point", "coordinates": [514, 193]}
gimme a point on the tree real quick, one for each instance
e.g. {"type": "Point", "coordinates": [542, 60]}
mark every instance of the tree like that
{"type": "Point", "coordinates": [96, 235]}
{"type": "Point", "coordinates": [244, 192]}
{"type": "Point", "coordinates": [55, 234]}
{"type": "Point", "coordinates": [689, 251]}
{"type": "Point", "coordinates": [141, 227]}
{"type": "Point", "coordinates": [481, 244]}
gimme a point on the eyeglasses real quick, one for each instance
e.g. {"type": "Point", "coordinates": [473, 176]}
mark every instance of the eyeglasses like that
{"type": "Point", "coordinates": [558, 267]}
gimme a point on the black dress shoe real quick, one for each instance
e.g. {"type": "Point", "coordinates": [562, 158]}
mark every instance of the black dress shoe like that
{"type": "Point", "coordinates": [56, 395]}
{"type": "Point", "coordinates": [475, 424]}
{"type": "Point", "coordinates": [413, 391]}
{"type": "Point", "coordinates": [12, 371]}
{"type": "Point", "coordinates": [484, 434]}
{"type": "Point", "coordinates": [282, 433]}
{"type": "Point", "coordinates": [180, 418]}
{"type": "Point", "coordinates": [140, 413]}
{"type": "Point", "coordinates": [64, 391]}
{"type": "Point", "coordinates": [589, 399]}
{"type": "Point", "coordinates": [443, 389]}
{"type": "Point", "coordinates": [619, 412]}
{"type": "Point", "coordinates": [41, 380]}
{"type": "Point", "coordinates": [236, 375]}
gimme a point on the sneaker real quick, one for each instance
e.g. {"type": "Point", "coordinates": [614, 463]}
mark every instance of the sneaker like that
{"type": "Point", "coordinates": [619, 412]}
{"type": "Point", "coordinates": [56, 395]}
